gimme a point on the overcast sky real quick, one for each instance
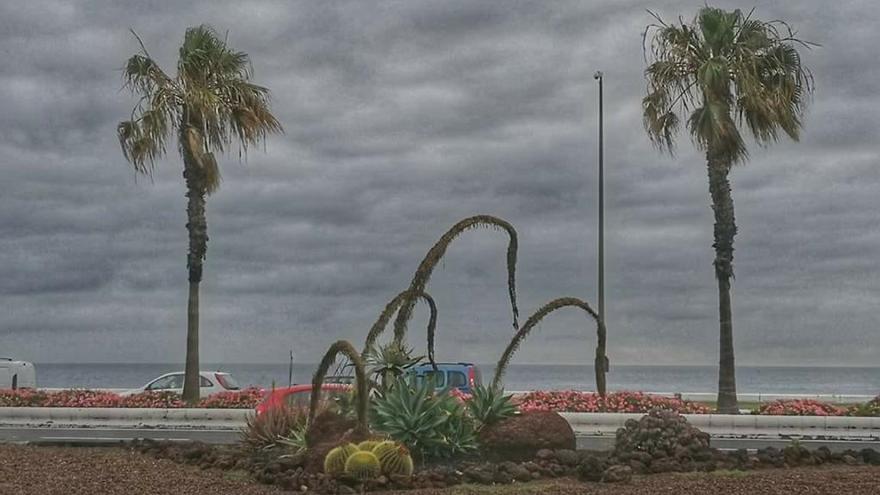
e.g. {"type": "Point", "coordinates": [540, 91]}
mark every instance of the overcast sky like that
{"type": "Point", "coordinates": [402, 118]}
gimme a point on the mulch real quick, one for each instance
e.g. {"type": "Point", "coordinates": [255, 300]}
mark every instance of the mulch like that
{"type": "Point", "coordinates": [27, 470]}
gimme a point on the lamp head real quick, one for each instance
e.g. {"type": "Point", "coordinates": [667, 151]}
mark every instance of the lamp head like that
{"type": "Point", "coordinates": [597, 75]}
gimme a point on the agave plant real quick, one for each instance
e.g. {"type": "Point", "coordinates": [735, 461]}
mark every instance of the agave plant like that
{"type": "Point", "coordinates": [391, 361]}
{"type": "Point", "coordinates": [435, 254]}
{"type": "Point", "coordinates": [433, 425]}
{"type": "Point", "coordinates": [296, 439]}
{"type": "Point", "coordinates": [272, 427]}
{"type": "Point", "coordinates": [489, 405]}
{"type": "Point", "coordinates": [601, 362]}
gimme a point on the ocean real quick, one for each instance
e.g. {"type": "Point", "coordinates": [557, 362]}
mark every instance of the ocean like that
{"type": "Point", "coordinates": [750, 379]}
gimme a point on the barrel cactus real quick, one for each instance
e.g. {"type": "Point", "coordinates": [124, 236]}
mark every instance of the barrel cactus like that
{"type": "Point", "coordinates": [334, 463]}
{"type": "Point", "coordinates": [368, 445]}
{"type": "Point", "coordinates": [394, 458]}
{"type": "Point", "coordinates": [363, 466]}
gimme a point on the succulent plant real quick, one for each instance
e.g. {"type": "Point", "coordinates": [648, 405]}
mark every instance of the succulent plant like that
{"type": "Point", "coordinates": [431, 425]}
{"type": "Point", "coordinates": [489, 405]}
{"type": "Point", "coordinates": [368, 445]}
{"type": "Point", "coordinates": [363, 466]}
{"type": "Point", "coordinates": [394, 458]}
{"type": "Point", "coordinates": [334, 463]}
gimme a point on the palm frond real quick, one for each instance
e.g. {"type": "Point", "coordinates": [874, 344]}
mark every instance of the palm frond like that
{"type": "Point", "coordinates": [731, 69]}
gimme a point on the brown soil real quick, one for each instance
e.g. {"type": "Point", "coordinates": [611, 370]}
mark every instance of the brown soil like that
{"type": "Point", "coordinates": [824, 480]}
{"type": "Point", "coordinates": [28, 470]}
{"type": "Point", "coordinates": [91, 471]}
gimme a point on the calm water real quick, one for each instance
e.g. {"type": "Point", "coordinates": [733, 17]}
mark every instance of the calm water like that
{"type": "Point", "coordinates": [794, 380]}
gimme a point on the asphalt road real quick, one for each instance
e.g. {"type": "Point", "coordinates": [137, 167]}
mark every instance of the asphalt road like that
{"type": "Point", "coordinates": [100, 436]}
{"type": "Point", "coordinates": [109, 436]}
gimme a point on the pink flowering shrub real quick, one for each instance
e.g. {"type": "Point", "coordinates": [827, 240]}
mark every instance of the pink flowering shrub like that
{"type": "Point", "coordinates": [800, 407]}
{"type": "Point", "coordinates": [461, 396]}
{"type": "Point", "coordinates": [618, 402]}
{"type": "Point", "coordinates": [21, 398]}
{"type": "Point", "coordinates": [81, 398]}
{"type": "Point", "coordinates": [244, 399]}
{"type": "Point", "coordinates": [247, 398]}
{"type": "Point", "coordinates": [159, 400]}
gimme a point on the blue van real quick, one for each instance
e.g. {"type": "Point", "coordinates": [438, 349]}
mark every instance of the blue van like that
{"type": "Point", "coordinates": [463, 376]}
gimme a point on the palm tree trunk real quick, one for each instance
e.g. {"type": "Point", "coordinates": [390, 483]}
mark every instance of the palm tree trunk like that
{"type": "Point", "coordinates": [601, 363]}
{"type": "Point", "coordinates": [725, 230]}
{"type": "Point", "coordinates": [198, 241]}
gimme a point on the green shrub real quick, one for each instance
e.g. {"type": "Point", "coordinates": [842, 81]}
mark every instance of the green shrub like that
{"type": "Point", "coordinates": [489, 405]}
{"type": "Point", "coordinates": [432, 425]}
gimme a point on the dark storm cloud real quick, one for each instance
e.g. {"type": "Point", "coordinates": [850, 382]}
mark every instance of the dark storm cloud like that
{"type": "Point", "coordinates": [401, 118]}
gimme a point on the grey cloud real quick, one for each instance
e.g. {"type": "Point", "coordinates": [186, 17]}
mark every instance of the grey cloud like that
{"type": "Point", "coordinates": [402, 118]}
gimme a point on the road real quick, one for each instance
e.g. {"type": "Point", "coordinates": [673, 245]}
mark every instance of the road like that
{"type": "Point", "coordinates": [110, 435]}
{"type": "Point", "coordinates": [99, 436]}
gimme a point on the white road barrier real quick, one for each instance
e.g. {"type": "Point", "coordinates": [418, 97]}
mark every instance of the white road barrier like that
{"type": "Point", "coordinates": [584, 424]}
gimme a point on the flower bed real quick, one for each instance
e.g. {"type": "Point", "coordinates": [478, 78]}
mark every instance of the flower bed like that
{"type": "Point", "coordinates": [616, 402]}
{"type": "Point", "coordinates": [244, 399]}
{"type": "Point", "coordinates": [800, 407]}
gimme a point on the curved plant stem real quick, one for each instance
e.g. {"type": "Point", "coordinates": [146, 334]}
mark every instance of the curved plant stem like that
{"type": "Point", "coordinates": [435, 254]}
{"type": "Point", "coordinates": [562, 302]}
{"type": "Point", "coordinates": [382, 322]}
{"type": "Point", "coordinates": [362, 388]}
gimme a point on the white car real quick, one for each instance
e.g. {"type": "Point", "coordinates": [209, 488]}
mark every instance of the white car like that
{"type": "Point", "coordinates": [212, 382]}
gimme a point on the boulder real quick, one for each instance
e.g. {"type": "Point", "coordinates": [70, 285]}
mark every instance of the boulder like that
{"type": "Point", "coordinates": [519, 438]}
{"type": "Point", "coordinates": [617, 474]}
{"type": "Point", "coordinates": [663, 441]}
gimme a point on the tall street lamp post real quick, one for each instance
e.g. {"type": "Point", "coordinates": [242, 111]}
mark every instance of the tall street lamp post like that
{"type": "Point", "coordinates": [598, 77]}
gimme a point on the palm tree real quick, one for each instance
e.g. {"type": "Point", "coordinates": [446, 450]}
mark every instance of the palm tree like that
{"type": "Point", "coordinates": [728, 70]}
{"type": "Point", "coordinates": [210, 104]}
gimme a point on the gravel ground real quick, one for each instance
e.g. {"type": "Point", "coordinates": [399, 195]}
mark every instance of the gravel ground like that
{"type": "Point", "coordinates": [72, 471]}
{"type": "Point", "coordinates": [826, 480]}
{"type": "Point", "coordinates": [91, 471]}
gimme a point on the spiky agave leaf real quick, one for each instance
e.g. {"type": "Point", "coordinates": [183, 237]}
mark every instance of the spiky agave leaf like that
{"type": "Point", "coordinates": [435, 254]}
{"type": "Point", "coordinates": [362, 393]}
{"type": "Point", "coordinates": [562, 302]}
{"type": "Point", "coordinates": [385, 316]}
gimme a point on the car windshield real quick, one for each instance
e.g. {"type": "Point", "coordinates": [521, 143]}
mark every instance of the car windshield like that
{"type": "Point", "coordinates": [227, 381]}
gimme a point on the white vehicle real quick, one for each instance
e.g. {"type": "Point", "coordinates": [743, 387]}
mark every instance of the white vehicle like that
{"type": "Point", "coordinates": [212, 382]}
{"type": "Point", "coordinates": [17, 374]}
